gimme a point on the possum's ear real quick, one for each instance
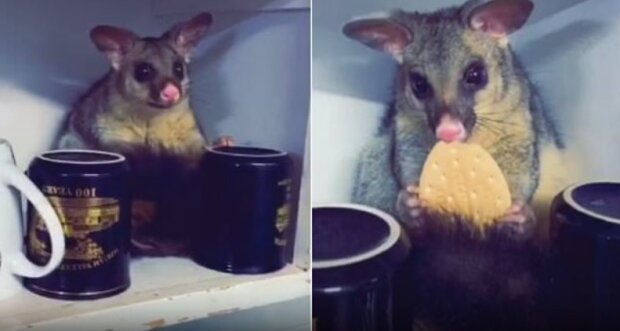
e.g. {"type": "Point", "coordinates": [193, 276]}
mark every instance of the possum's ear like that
{"type": "Point", "coordinates": [380, 34]}
{"type": "Point", "coordinates": [186, 35]}
{"type": "Point", "coordinates": [498, 18]}
{"type": "Point", "coordinates": [114, 42]}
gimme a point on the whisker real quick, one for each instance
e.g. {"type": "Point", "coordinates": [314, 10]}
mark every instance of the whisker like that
{"type": "Point", "coordinates": [495, 121]}
{"type": "Point", "coordinates": [498, 124]}
{"type": "Point", "coordinates": [494, 114]}
{"type": "Point", "coordinates": [489, 127]}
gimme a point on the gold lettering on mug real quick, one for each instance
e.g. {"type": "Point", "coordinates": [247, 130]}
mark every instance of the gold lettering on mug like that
{"type": "Point", "coordinates": [81, 214]}
{"type": "Point", "coordinates": [282, 218]}
{"type": "Point", "coordinates": [81, 192]}
{"type": "Point", "coordinates": [90, 264]}
{"type": "Point", "coordinates": [283, 213]}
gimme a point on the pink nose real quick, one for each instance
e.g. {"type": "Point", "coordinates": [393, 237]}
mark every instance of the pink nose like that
{"type": "Point", "coordinates": [170, 93]}
{"type": "Point", "coordinates": [450, 129]}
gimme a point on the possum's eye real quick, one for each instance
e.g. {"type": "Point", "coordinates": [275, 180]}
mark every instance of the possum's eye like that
{"type": "Point", "coordinates": [177, 68]}
{"type": "Point", "coordinates": [475, 76]}
{"type": "Point", "coordinates": [144, 72]}
{"type": "Point", "coordinates": [420, 86]}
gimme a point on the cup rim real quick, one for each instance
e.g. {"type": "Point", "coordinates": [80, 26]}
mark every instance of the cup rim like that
{"type": "Point", "coordinates": [392, 239]}
{"type": "Point", "coordinates": [274, 152]}
{"type": "Point", "coordinates": [118, 158]}
{"type": "Point", "coordinates": [568, 197]}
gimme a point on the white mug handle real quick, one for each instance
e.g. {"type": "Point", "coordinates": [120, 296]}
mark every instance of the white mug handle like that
{"type": "Point", "coordinates": [18, 263]}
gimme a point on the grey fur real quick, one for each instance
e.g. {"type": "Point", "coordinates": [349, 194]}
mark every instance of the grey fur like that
{"type": "Point", "coordinates": [160, 137]}
{"type": "Point", "coordinates": [459, 281]}
{"type": "Point", "coordinates": [405, 138]}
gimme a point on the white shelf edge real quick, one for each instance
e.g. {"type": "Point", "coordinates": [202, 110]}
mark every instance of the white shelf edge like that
{"type": "Point", "coordinates": [148, 309]}
{"type": "Point", "coordinates": [165, 7]}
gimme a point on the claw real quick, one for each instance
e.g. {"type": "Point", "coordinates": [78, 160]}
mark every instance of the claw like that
{"type": "Point", "coordinates": [518, 222]}
{"type": "Point", "coordinates": [415, 213]}
{"type": "Point", "coordinates": [413, 202]}
{"type": "Point", "coordinates": [516, 207]}
{"type": "Point", "coordinates": [514, 218]}
{"type": "Point", "coordinates": [224, 141]}
{"type": "Point", "coordinates": [413, 189]}
{"type": "Point", "coordinates": [409, 206]}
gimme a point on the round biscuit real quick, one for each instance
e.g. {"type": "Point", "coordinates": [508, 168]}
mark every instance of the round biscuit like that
{"type": "Point", "coordinates": [463, 179]}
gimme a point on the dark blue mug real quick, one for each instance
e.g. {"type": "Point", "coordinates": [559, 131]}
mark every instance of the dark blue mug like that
{"type": "Point", "coordinates": [584, 282]}
{"type": "Point", "coordinates": [89, 190]}
{"type": "Point", "coordinates": [245, 203]}
{"type": "Point", "coordinates": [356, 251]}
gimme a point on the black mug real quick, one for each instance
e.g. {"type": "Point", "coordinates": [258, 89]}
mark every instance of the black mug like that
{"type": "Point", "coordinates": [89, 191]}
{"type": "Point", "coordinates": [245, 194]}
{"type": "Point", "coordinates": [356, 252]}
{"type": "Point", "coordinates": [584, 282]}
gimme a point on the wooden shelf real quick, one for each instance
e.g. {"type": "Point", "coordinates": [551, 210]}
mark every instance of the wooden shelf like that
{"type": "Point", "coordinates": [164, 292]}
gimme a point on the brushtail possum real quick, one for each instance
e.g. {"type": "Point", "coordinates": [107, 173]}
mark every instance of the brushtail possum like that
{"type": "Point", "coordinates": [459, 80]}
{"type": "Point", "coordinates": [141, 109]}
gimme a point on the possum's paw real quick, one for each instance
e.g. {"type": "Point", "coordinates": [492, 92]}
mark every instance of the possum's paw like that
{"type": "Point", "coordinates": [224, 141]}
{"type": "Point", "coordinates": [142, 212]}
{"type": "Point", "coordinates": [409, 208]}
{"type": "Point", "coordinates": [518, 223]}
